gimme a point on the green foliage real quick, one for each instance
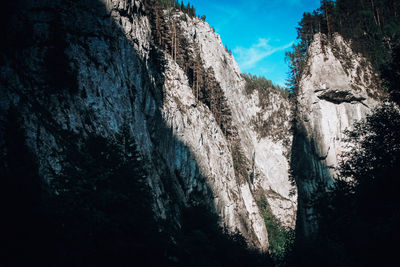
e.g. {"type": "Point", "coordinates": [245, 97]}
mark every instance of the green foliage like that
{"type": "Point", "coordinates": [228, 50]}
{"type": "Point", "coordinates": [170, 3]}
{"type": "Point", "coordinates": [101, 213]}
{"type": "Point", "coordinates": [391, 75]}
{"type": "Point", "coordinates": [377, 146]}
{"type": "Point", "coordinates": [361, 212]}
{"type": "Point", "coordinates": [280, 238]}
{"type": "Point", "coordinates": [103, 202]}
{"type": "Point", "coordinates": [240, 163]}
{"type": "Point", "coordinates": [203, 242]}
{"type": "Point", "coordinates": [188, 9]}
{"type": "Point", "coordinates": [275, 126]}
{"type": "Point", "coordinates": [263, 86]}
{"type": "Point", "coordinates": [105, 178]}
{"type": "Point", "coordinates": [211, 94]}
{"type": "Point", "coordinates": [158, 63]}
{"type": "Point", "coordinates": [373, 27]}
{"type": "Point", "coordinates": [168, 37]}
{"type": "Point", "coordinates": [98, 210]}
{"type": "Point", "coordinates": [296, 59]}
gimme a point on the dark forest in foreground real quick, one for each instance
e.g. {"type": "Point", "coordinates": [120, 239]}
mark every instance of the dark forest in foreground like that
{"type": "Point", "coordinates": [97, 209]}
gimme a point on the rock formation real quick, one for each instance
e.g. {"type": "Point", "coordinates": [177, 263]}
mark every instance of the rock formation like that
{"type": "Point", "coordinates": [337, 88]}
{"type": "Point", "coordinates": [94, 67]}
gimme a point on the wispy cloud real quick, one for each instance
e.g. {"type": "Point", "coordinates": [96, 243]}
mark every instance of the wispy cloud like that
{"type": "Point", "coordinates": [248, 58]}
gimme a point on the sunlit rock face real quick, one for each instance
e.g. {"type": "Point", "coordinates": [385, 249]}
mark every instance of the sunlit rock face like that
{"type": "Point", "coordinates": [337, 88]}
{"type": "Point", "coordinates": [268, 153]}
{"type": "Point", "coordinates": [89, 67]}
{"type": "Point", "coordinates": [92, 67]}
{"type": "Point", "coordinates": [194, 125]}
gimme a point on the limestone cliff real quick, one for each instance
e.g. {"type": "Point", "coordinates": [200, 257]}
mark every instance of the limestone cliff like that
{"type": "Point", "coordinates": [265, 152]}
{"type": "Point", "coordinates": [93, 67]}
{"type": "Point", "coordinates": [337, 88]}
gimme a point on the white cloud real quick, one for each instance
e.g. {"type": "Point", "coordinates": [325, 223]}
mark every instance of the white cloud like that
{"type": "Point", "coordinates": [247, 58]}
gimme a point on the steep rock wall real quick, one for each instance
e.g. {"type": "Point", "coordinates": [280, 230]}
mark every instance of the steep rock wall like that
{"type": "Point", "coordinates": [268, 164]}
{"type": "Point", "coordinates": [91, 67]}
{"type": "Point", "coordinates": [337, 88]}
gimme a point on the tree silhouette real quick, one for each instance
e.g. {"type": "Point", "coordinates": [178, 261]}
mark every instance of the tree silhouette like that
{"type": "Point", "coordinates": [372, 27]}
{"type": "Point", "coordinates": [361, 212]}
{"type": "Point", "coordinates": [104, 202]}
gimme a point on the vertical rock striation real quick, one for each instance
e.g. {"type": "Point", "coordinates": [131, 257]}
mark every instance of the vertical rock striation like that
{"type": "Point", "coordinates": [92, 67]}
{"type": "Point", "coordinates": [266, 154]}
{"type": "Point", "coordinates": [337, 88]}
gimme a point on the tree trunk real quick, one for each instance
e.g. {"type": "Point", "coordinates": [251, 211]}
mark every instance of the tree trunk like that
{"type": "Point", "coordinates": [327, 21]}
{"type": "Point", "coordinates": [378, 17]}
{"type": "Point", "coordinates": [373, 10]}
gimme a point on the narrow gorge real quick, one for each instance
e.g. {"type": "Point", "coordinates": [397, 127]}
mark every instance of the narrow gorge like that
{"type": "Point", "coordinates": [96, 91]}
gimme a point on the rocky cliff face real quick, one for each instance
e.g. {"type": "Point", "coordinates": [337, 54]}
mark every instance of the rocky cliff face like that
{"type": "Point", "coordinates": [96, 67]}
{"type": "Point", "coordinates": [93, 67]}
{"type": "Point", "coordinates": [265, 153]}
{"type": "Point", "coordinates": [337, 88]}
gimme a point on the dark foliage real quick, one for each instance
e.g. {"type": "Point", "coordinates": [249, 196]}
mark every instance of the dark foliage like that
{"type": "Point", "coordinates": [98, 211]}
{"type": "Point", "coordinates": [99, 214]}
{"type": "Point", "coordinates": [167, 36]}
{"type": "Point", "coordinates": [188, 9]}
{"type": "Point", "coordinates": [360, 214]}
{"type": "Point", "coordinates": [97, 208]}
{"type": "Point", "coordinates": [104, 203]}
{"type": "Point", "coordinates": [240, 163]}
{"type": "Point", "coordinates": [280, 239]}
{"type": "Point", "coordinates": [372, 26]}
{"type": "Point", "coordinates": [203, 243]}
{"type": "Point", "coordinates": [263, 86]}
{"type": "Point", "coordinates": [391, 75]}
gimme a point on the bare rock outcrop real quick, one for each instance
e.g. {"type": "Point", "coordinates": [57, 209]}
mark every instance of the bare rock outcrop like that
{"type": "Point", "coordinates": [337, 88]}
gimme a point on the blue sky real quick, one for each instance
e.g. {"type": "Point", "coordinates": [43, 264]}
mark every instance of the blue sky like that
{"type": "Point", "coordinates": [257, 31]}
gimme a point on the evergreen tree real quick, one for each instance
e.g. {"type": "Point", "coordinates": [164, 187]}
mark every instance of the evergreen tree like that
{"type": "Point", "coordinates": [361, 211]}
{"type": "Point", "coordinates": [104, 201]}
{"type": "Point", "coordinates": [391, 75]}
{"type": "Point", "coordinates": [372, 26]}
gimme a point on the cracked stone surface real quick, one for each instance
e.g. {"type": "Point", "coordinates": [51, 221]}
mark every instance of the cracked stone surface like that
{"type": "Point", "coordinates": [106, 49]}
{"type": "Point", "coordinates": [337, 89]}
